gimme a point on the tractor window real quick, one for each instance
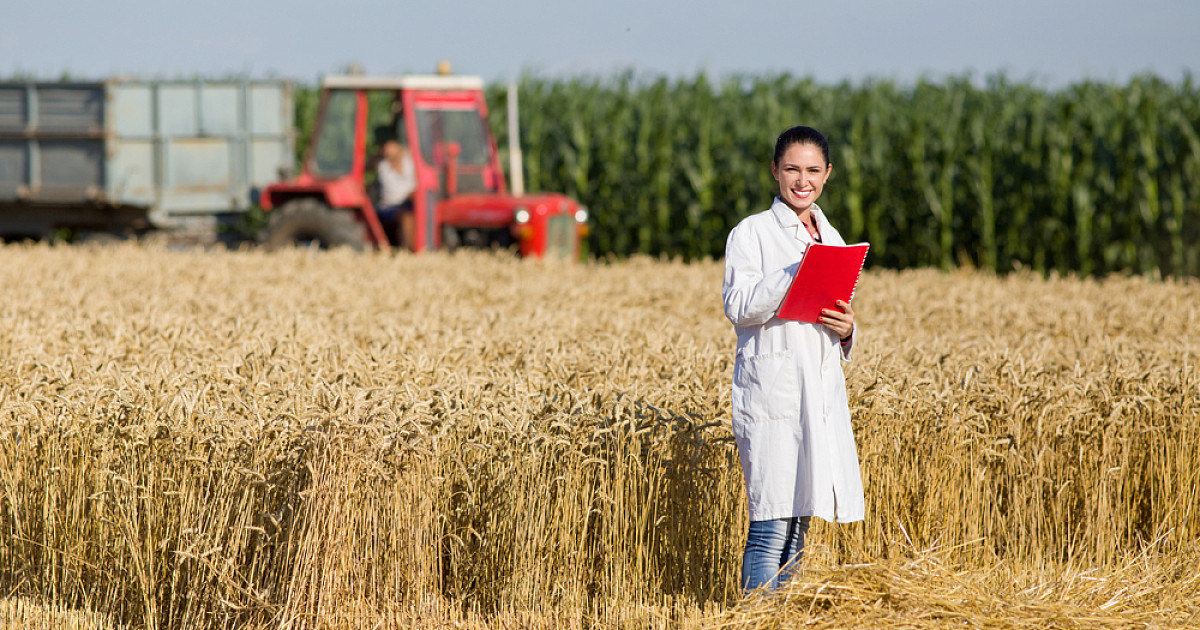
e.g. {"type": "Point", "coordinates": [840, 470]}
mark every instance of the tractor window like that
{"type": "Point", "coordinates": [464, 126]}
{"type": "Point", "coordinates": [382, 110]}
{"type": "Point", "coordinates": [335, 144]}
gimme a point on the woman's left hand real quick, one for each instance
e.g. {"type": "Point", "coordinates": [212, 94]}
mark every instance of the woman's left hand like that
{"type": "Point", "coordinates": [840, 322]}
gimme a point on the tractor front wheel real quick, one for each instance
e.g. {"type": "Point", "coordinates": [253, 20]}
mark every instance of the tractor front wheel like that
{"type": "Point", "coordinates": [308, 222]}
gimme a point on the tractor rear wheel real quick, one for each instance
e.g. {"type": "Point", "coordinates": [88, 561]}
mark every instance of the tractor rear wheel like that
{"type": "Point", "coordinates": [307, 221]}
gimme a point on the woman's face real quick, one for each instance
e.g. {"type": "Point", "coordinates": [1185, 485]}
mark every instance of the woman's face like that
{"type": "Point", "coordinates": [801, 174]}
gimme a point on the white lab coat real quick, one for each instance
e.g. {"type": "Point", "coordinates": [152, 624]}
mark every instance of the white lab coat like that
{"type": "Point", "coordinates": [791, 418]}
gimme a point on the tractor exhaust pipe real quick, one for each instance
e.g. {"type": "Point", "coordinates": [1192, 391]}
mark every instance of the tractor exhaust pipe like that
{"type": "Point", "coordinates": [515, 160]}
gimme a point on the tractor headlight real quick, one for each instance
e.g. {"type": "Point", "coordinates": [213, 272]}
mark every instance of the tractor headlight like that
{"type": "Point", "coordinates": [521, 216]}
{"type": "Point", "coordinates": [581, 215]}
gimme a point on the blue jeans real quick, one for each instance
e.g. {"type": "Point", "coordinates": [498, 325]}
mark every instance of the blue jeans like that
{"type": "Point", "coordinates": [773, 552]}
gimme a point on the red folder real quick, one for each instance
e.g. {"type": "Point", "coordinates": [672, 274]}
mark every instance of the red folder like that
{"type": "Point", "coordinates": [827, 273]}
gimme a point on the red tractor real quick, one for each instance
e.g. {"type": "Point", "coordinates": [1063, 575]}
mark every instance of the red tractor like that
{"type": "Point", "coordinates": [460, 196]}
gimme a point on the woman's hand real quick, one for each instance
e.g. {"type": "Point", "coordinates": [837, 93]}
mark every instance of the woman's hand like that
{"type": "Point", "coordinates": [840, 322]}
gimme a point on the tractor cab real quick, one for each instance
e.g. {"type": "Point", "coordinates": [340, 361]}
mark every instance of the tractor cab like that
{"type": "Point", "coordinates": [460, 197]}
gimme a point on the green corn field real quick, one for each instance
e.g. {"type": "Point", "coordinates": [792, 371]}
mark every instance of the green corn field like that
{"type": "Point", "coordinates": [1094, 178]}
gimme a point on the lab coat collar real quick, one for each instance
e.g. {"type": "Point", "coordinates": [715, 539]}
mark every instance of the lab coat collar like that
{"type": "Point", "coordinates": [788, 220]}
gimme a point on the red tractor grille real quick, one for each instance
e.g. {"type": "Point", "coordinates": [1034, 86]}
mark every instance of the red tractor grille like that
{"type": "Point", "coordinates": [560, 236]}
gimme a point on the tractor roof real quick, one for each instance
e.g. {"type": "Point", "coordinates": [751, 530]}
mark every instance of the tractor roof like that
{"type": "Point", "coordinates": [406, 82]}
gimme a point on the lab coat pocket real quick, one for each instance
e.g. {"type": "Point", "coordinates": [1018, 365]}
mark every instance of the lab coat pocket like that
{"type": "Point", "coordinates": [765, 387]}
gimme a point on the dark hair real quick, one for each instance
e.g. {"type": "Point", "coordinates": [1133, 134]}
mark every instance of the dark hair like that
{"type": "Point", "coordinates": [383, 134]}
{"type": "Point", "coordinates": [800, 135]}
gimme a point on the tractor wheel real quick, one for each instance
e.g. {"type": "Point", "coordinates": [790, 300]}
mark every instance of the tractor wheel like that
{"type": "Point", "coordinates": [309, 222]}
{"type": "Point", "coordinates": [450, 239]}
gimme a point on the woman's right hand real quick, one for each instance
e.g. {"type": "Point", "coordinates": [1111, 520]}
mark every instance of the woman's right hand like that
{"type": "Point", "coordinates": [840, 322]}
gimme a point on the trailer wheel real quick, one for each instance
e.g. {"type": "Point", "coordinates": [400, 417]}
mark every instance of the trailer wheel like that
{"type": "Point", "coordinates": [100, 239]}
{"type": "Point", "coordinates": [308, 222]}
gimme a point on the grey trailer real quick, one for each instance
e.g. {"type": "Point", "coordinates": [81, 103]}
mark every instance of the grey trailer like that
{"type": "Point", "coordinates": [129, 156]}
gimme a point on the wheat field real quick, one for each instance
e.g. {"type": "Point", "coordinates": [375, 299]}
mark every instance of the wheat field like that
{"type": "Point", "coordinates": [306, 439]}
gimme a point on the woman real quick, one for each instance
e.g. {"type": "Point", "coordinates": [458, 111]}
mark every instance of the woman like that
{"type": "Point", "coordinates": [791, 418]}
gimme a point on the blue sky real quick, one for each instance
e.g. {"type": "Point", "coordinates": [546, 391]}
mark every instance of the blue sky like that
{"type": "Point", "coordinates": [1049, 42]}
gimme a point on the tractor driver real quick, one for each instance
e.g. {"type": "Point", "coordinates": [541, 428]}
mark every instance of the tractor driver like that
{"type": "Point", "coordinates": [397, 182]}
